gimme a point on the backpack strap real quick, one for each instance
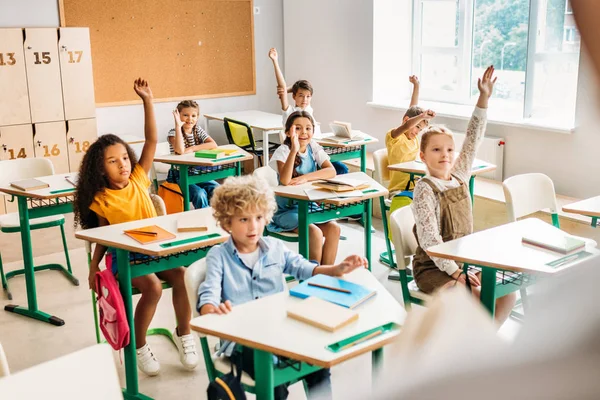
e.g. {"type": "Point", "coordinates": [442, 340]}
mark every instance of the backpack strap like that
{"type": "Point", "coordinates": [171, 190]}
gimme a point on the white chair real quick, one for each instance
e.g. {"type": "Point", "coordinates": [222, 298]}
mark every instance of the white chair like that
{"type": "Point", "coordinates": [402, 222]}
{"type": "Point", "coordinates": [528, 193]}
{"type": "Point", "coordinates": [4, 370]}
{"type": "Point", "coordinates": [382, 176]}
{"type": "Point", "coordinates": [89, 373]}
{"type": "Point", "coordinates": [270, 176]}
{"type": "Point", "coordinates": [27, 168]}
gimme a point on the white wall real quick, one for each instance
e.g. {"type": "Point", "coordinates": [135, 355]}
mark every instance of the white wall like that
{"type": "Point", "coordinates": [268, 32]}
{"type": "Point", "coordinates": [330, 43]}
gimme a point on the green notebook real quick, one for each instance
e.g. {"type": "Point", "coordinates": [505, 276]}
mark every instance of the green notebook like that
{"type": "Point", "coordinates": [216, 154]}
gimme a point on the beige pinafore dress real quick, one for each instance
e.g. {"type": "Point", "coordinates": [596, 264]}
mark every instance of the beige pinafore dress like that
{"type": "Point", "coordinates": [456, 220]}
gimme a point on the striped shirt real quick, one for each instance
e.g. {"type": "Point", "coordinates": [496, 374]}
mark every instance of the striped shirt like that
{"type": "Point", "coordinates": [196, 137]}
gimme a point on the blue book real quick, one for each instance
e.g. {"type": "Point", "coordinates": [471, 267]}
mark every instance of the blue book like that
{"type": "Point", "coordinates": [347, 295]}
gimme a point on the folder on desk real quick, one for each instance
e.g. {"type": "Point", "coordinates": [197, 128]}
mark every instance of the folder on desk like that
{"type": "Point", "coordinates": [149, 234]}
{"type": "Point", "coordinates": [356, 296]}
{"type": "Point", "coordinates": [322, 314]}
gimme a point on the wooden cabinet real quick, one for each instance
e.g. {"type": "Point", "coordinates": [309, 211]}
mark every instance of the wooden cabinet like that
{"type": "Point", "coordinates": [76, 73]}
{"type": "Point", "coordinates": [50, 141]}
{"type": "Point", "coordinates": [43, 75]}
{"type": "Point", "coordinates": [14, 101]}
{"type": "Point", "coordinates": [16, 141]}
{"type": "Point", "coordinates": [81, 133]}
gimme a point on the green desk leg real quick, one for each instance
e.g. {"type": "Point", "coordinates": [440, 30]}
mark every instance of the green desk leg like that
{"type": "Point", "coordinates": [488, 289]}
{"type": "Point", "coordinates": [389, 256]}
{"type": "Point", "coordinates": [131, 390]}
{"type": "Point", "coordinates": [184, 186]}
{"type": "Point", "coordinates": [594, 222]}
{"type": "Point", "coordinates": [367, 229]}
{"type": "Point", "coordinates": [264, 375]}
{"type": "Point", "coordinates": [238, 168]}
{"type": "Point", "coordinates": [472, 188]}
{"type": "Point", "coordinates": [363, 158]}
{"type": "Point", "coordinates": [32, 307]}
{"type": "Point", "coordinates": [303, 228]}
{"type": "Point", "coordinates": [377, 361]}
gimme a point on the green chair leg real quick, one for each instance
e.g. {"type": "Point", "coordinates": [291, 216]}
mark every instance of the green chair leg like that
{"type": "Point", "coordinates": [388, 256]}
{"type": "Point", "coordinates": [64, 240]}
{"type": "Point", "coordinates": [4, 280]}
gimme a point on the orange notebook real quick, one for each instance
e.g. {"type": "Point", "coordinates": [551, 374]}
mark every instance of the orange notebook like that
{"type": "Point", "coordinates": [152, 234]}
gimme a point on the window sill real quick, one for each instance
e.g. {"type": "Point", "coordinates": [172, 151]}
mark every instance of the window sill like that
{"type": "Point", "coordinates": [463, 112]}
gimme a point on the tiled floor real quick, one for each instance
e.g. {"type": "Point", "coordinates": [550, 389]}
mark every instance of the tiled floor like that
{"type": "Point", "coordinates": [28, 342]}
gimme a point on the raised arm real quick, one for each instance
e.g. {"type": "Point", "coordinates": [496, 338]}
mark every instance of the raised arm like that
{"type": "Point", "coordinates": [143, 90]}
{"type": "Point", "coordinates": [412, 122]}
{"type": "Point", "coordinates": [476, 128]}
{"type": "Point", "coordinates": [281, 85]}
{"type": "Point", "coordinates": [414, 100]}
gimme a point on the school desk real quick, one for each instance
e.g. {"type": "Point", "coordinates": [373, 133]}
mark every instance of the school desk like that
{"type": "Point", "coordinates": [86, 374]}
{"type": "Point", "coordinates": [500, 253]}
{"type": "Point", "coordinates": [189, 175]}
{"type": "Point", "coordinates": [332, 208]}
{"type": "Point", "coordinates": [268, 123]}
{"type": "Point", "coordinates": [339, 151]}
{"type": "Point", "coordinates": [55, 199]}
{"type": "Point", "coordinates": [183, 250]}
{"type": "Point", "coordinates": [263, 325]}
{"type": "Point", "coordinates": [588, 207]}
{"type": "Point", "coordinates": [418, 168]}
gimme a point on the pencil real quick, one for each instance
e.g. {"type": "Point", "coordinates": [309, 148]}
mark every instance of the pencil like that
{"type": "Point", "coordinates": [142, 232]}
{"type": "Point", "coordinates": [329, 287]}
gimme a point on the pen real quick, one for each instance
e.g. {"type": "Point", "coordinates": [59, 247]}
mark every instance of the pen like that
{"type": "Point", "coordinates": [329, 287]}
{"type": "Point", "coordinates": [142, 232]}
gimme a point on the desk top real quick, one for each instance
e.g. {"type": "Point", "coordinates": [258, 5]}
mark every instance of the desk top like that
{"type": "Point", "coordinates": [501, 247]}
{"type": "Point", "coordinates": [297, 192]}
{"type": "Point", "coordinates": [248, 324]}
{"type": "Point", "coordinates": [113, 236]}
{"type": "Point", "coordinates": [588, 207]}
{"type": "Point", "coordinates": [57, 183]}
{"type": "Point", "coordinates": [191, 159]}
{"type": "Point", "coordinates": [256, 119]}
{"type": "Point", "coordinates": [419, 167]}
{"type": "Point", "coordinates": [321, 139]}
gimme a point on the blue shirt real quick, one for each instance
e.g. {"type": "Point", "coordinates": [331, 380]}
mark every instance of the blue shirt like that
{"type": "Point", "coordinates": [228, 278]}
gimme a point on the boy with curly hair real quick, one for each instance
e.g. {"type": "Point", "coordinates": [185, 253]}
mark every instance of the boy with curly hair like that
{"type": "Point", "coordinates": [249, 266]}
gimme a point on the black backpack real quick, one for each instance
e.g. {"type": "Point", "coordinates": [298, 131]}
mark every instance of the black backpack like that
{"type": "Point", "coordinates": [227, 387]}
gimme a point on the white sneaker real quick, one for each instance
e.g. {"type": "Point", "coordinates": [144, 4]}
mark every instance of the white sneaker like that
{"type": "Point", "coordinates": [146, 361]}
{"type": "Point", "coordinates": [187, 350]}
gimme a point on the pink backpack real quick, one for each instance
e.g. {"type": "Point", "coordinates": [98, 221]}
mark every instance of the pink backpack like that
{"type": "Point", "coordinates": [113, 320]}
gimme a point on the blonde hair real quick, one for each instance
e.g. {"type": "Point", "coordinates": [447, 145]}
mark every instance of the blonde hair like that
{"type": "Point", "coordinates": [433, 130]}
{"type": "Point", "coordinates": [241, 194]}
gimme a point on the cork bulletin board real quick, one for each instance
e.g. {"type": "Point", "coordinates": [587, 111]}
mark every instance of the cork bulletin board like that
{"type": "Point", "coordinates": [185, 48]}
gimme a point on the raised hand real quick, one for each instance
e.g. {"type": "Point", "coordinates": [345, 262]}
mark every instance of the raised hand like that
{"type": "Point", "coordinates": [486, 83]}
{"type": "Point", "coordinates": [428, 115]}
{"type": "Point", "coordinates": [294, 139]}
{"type": "Point", "coordinates": [350, 263]}
{"type": "Point", "coordinates": [142, 89]}
{"type": "Point", "coordinates": [177, 117]}
{"type": "Point", "coordinates": [273, 54]}
{"type": "Point", "coordinates": [414, 80]}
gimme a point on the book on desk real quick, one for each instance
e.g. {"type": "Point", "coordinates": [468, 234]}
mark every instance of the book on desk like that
{"type": "Point", "coordinates": [334, 290]}
{"type": "Point", "coordinates": [322, 314]}
{"type": "Point", "coordinates": [216, 154]}
{"type": "Point", "coordinates": [343, 132]}
{"type": "Point", "coordinates": [149, 234]}
{"type": "Point", "coordinates": [341, 184]}
{"type": "Point", "coordinates": [557, 241]}
{"type": "Point", "coordinates": [28, 185]}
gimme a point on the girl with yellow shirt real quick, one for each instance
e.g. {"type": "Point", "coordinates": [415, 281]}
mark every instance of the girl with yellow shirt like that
{"type": "Point", "coordinates": [113, 188]}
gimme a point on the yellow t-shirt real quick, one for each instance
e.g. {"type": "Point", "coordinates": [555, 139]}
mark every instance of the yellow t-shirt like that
{"type": "Point", "coordinates": [128, 204]}
{"type": "Point", "coordinates": [400, 150]}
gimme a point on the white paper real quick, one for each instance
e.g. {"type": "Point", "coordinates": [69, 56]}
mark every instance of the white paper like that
{"type": "Point", "coordinates": [319, 194]}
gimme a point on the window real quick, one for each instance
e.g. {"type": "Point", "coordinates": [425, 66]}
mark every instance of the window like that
{"type": "Point", "coordinates": [533, 44]}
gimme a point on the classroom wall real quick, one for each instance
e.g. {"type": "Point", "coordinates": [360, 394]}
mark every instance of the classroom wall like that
{"type": "Point", "coordinates": [330, 43]}
{"type": "Point", "coordinates": [268, 32]}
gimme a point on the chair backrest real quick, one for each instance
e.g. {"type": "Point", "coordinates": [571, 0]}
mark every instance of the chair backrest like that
{"type": "Point", "coordinates": [4, 370]}
{"type": "Point", "coordinates": [194, 276]}
{"type": "Point", "coordinates": [382, 174]}
{"type": "Point", "coordinates": [239, 133]}
{"type": "Point", "coordinates": [529, 193]}
{"type": "Point", "coordinates": [162, 149]}
{"type": "Point", "coordinates": [402, 222]}
{"type": "Point", "coordinates": [268, 174]}
{"type": "Point", "coordinates": [24, 168]}
{"type": "Point", "coordinates": [159, 204]}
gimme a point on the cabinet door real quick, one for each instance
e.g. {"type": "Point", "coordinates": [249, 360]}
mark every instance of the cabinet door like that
{"type": "Point", "coordinates": [16, 141]}
{"type": "Point", "coordinates": [14, 101]}
{"type": "Point", "coordinates": [76, 72]}
{"type": "Point", "coordinates": [43, 75]}
{"type": "Point", "coordinates": [81, 133]}
{"type": "Point", "coordinates": [50, 141]}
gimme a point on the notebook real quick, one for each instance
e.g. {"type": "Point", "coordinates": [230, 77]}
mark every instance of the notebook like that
{"type": "Point", "coordinates": [187, 224]}
{"type": "Point", "coordinates": [216, 154]}
{"type": "Point", "coordinates": [557, 241]}
{"type": "Point", "coordinates": [325, 194]}
{"type": "Point", "coordinates": [322, 314]}
{"type": "Point", "coordinates": [342, 184]}
{"type": "Point", "coordinates": [29, 184]}
{"type": "Point", "coordinates": [358, 294]}
{"type": "Point", "coordinates": [343, 132]}
{"type": "Point", "coordinates": [72, 179]}
{"type": "Point", "coordinates": [161, 234]}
